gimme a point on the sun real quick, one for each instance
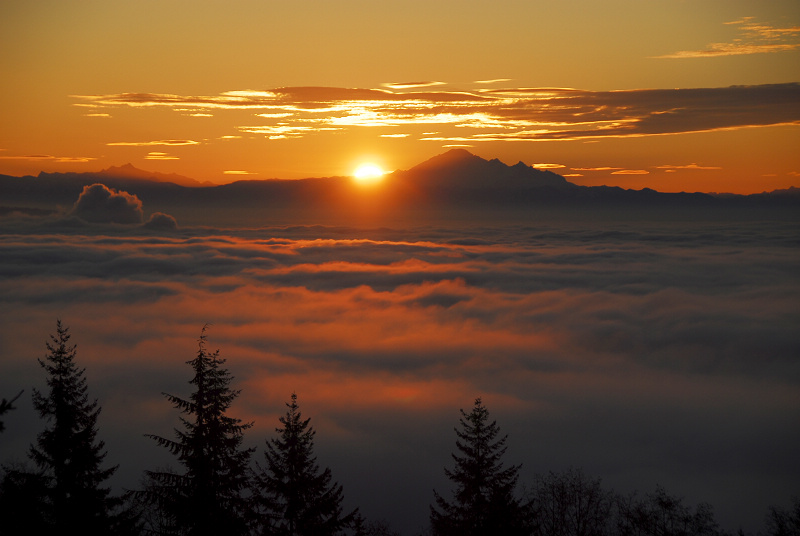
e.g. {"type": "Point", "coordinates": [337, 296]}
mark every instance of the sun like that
{"type": "Point", "coordinates": [368, 174]}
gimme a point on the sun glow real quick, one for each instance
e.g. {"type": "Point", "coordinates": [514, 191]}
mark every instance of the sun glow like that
{"type": "Point", "coordinates": [368, 174]}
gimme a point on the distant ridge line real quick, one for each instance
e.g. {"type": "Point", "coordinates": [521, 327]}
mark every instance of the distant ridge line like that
{"type": "Point", "coordinates": [453, 180]}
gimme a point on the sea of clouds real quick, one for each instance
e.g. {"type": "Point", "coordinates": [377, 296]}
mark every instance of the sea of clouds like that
{"type": "Point", "coordinates": [643, 352]}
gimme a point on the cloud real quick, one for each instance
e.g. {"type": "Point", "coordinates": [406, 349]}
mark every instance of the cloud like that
{"type": "Point", "coordinates": [160, 156]}
{"type": "Point", "coordinates": [493, 81]}
{"type": "Point", "coordinates": [60, 159]}
{"type": "Point", "coordinates": [688, 166]}
{"type": "Point", "coordinates": [631, 172]}
{"type": "Point", "coordinates": [157, 142]}
{"type": "Point", "coordinates": [754, 38]}
{"type": "Point", "coordinates": [593, 343]}
{"type": "Point", "coordinates": [100, 204]}
{"type": "Point", "coordinates": [501, 114]}
{"type": "Point", "coordinates": [601, 168]}
{"type": "Point", "coordinates": [159, 220]}
{"type": "Point", "coordinates": [548, 166]}
{"type": "Point", "coordinates": [411, 85]}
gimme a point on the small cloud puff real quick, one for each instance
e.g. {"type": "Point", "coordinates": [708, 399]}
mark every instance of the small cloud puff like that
{"type": "Point", "coordinates": [100, 204]}
{"type": "Point", "coordinates": [161, 221]}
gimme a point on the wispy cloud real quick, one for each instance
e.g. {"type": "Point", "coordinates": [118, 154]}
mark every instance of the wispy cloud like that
{"type": "Point", "coordinates": [631, 172]}
{"type": "Point", "coordinates": [493, 81]}
{"type": "Point", "coordinates": [61, 159]}
{"type": "Point", "coordinates": [548, 166]}
{"type": "Point", "coordinates": [754, 38]}
{"type": "Point", "coordinates": [501, 114]}
{"type": "Point", "coordinates": [688, 166]}
{"type": "Point", "coordinates": [599, 168]}
{"type": "Point", "coordinates": [160, 156]}
{"type": "Point", "coordinates": [411, 85]}
{"type": "Point", "coordinates": [157, 142]}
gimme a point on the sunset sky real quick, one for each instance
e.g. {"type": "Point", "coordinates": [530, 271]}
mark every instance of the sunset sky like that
{"type": "Point", "coordinates": [647, 347]}
{"type": "Point", "coordinates": [629, 93]}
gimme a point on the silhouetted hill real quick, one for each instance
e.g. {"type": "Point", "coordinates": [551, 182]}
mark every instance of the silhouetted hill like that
{"type": "Point", "coordinates": [463, 178]}
{"type": "Point", "coordinates": [458, 168]}
{"type": "Point", "coordinates": [131, 172]}
{"type": "Point", "coordinates": [453, 181]}
{"type": "Point", "coordinates": [63, 189]}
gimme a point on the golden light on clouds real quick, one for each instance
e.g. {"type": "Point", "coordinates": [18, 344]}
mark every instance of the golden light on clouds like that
{"type": "Point", "coordinates": [497, 115]}
{"type": "Point", "coordinates": [151, 143]}
{"type": "Point", "coordinates": [630, 172]}
{"type": "Point", "coordinates": [160, 156]}
{"type": "Point", "coordinates": [753, 38]}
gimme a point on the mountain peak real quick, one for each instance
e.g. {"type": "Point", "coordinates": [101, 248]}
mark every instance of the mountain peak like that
{"type": "Point", "coordinates": [450, 159]}
{"type": "Point", "coordinates": [459, 168]}
{"type": "Point", "coordinates": [128, 170]}
{"type": "Point", "coordinates": [132, 172]}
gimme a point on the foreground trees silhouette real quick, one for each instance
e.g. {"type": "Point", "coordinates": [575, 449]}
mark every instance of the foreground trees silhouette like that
{"type": "Point", "coordinates": [5, 407]}
{"type": "Point", "coordinates": [484, 501]}
{"type": "Point", "coordinates": [208, 497]}
{"type": "Point", "coordinates": [784, 522]}
{"type": "Point", "coordinates": [63, 488]}
{"type": "Point", "coordinates": [571, 504]}
{"type": "Point", "coordinates": [662, 514]}
{"type": "Point", "coordinates": [295, 497]}
{"type": "Point", "coordinates": [66, 494]}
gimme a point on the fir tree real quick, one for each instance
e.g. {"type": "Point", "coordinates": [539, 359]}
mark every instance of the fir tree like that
{"type": "Point", "coordinates": [67, 453]}
{"type": "Point", "coordinates": [483, 503]}
{"type": "Point", "coordinates": [24, 502]}
{"type": "Point", "coordinates": [297, 498]}
{"type": "Point", "coordinates": [6, 406]}
{"type": "Point", "coordinates": [208, 497]}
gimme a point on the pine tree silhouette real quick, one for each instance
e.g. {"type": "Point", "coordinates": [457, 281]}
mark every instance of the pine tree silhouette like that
{"type": "Point", "coordinates": [5, 407]}
{"type": "Point", "coordinates": [483, 503]}
{"type": "Point", "coordinates": [67, 453]}
{"type": "Point", "coordinates": [209, 497]}
{"type": "Point", "coordinates": [297, 498]}
{"type": "Point", "coordinates": [25, 507]}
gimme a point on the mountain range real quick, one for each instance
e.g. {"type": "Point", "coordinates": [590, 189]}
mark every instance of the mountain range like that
{"type": "Point", "coordinates": [455, 180]}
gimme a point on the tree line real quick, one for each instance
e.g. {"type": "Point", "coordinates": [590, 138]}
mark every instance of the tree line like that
{"type": "Point", "coordinates": [219, 488]}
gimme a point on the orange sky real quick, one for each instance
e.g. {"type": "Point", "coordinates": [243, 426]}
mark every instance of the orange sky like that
{"type": "Point", "coordinates": [253, 89]}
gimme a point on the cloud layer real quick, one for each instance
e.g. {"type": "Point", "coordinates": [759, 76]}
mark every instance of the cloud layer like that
{"type": "Point", "coordinates": [500, 114]}
{"type": "Point", "coordinates": [647, 353]}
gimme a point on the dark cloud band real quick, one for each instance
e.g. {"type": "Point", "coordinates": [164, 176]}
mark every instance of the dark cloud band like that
{"type": "Point", "coordinates": [509, 114]}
